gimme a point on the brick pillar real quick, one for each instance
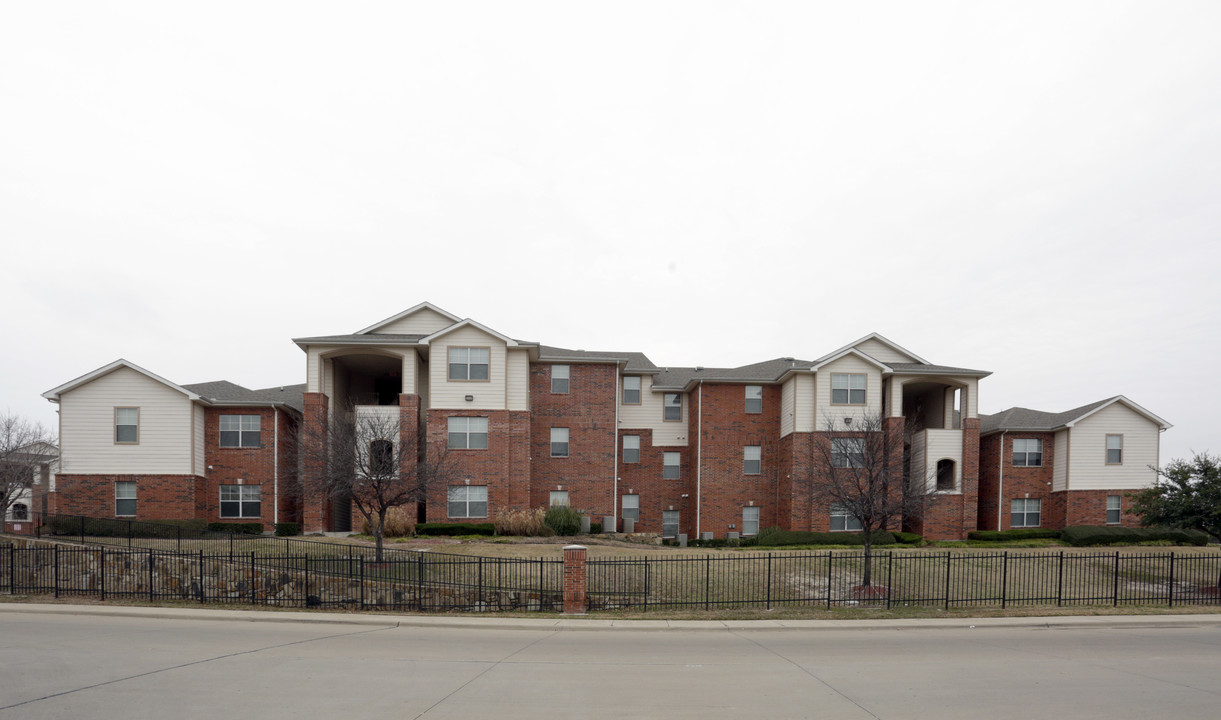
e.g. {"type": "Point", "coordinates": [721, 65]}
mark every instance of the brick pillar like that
{"type": "Point", "coordinates": [893, 428]}
{"type": "Point", "coordinates": [574, 580]}
{"type": "Point", "coordinates": [970, 475]}
{"type": "Point", "coordinates": [315, 505]}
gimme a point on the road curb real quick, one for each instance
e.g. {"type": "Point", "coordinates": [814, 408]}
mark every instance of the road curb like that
{"type": "Point", "coordinates": [561, 623]}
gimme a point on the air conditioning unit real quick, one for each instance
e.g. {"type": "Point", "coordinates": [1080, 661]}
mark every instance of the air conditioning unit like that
{"type": "Point", "coordinates": [629, 525]}
{"type": "Point", "coordinates": [682, 539]}
{"type": "Point", "coordinates": [705, 536]}
{"type": "Point", "coordinates": [731, 536]}
{"type": "Point", "coordinates": [608, 523]}
{"type": "Point", "coordinates": [584, 524]}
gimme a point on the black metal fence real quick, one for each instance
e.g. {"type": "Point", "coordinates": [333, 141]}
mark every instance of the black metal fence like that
{"type": "Point", "coordinates": [915, 578]}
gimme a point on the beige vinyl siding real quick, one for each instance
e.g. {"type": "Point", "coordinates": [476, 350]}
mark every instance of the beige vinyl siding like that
{"type": "Point", "coordinates": [825, 411]}
{"type": "Point", "coordinates": [421, 374]}
{"type": "Point", "coordinates": [517, 380]}
{"type": "Point", "coordinates": [972, 398]}
{"type": "Point", "coordinates": [941, 445]}
{"type": "Point", "coordinates": [883, 353]}
{"type": "Point", "coordinates": [1087, 452]}
{"type": "Point", "coordinates": [420, 322]}
{"type": "Point", "coordinates": [317, 368]}
{"type": "Point", "coordinates": [201, 467]}
{"type": "Point", "coordinates": [788, 402]}
{"type": "Point", "coordinates": [1059, 464]}
{"type": "Point", "coordinates": [804, 419]}
{"type": "Point", "coordinates": [647, 416]}
{"type": "Point", "coordinates": [87, 425]}
{"type": "Point", "coordinates": [446, 395]}
{"type": "Point", "coordinates": [410, 363]}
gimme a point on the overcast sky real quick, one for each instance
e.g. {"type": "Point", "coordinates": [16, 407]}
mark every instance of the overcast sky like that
{"type": "Point", "coordinates": [1028, 188]}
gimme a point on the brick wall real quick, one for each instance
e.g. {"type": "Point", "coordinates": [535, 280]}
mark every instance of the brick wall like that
{"type": "Point", "coordinates": [315, 509]}
{"type": "Point", "coordinates": [504, 467]}
{"type": "Point", "coordinates": [645, 479]}
{"type": "Point", "coordinates": [1085, 507]}
{"type": "Point", "coordinates": [239, 466]}
{"type": "Point", "coordinates": [588, 411]}
{"type": "Point", "coordinates": [1016, 482]}
{"type": "Point", "coordinates": [158, 497]}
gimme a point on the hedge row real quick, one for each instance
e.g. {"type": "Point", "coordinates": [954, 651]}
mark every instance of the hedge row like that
{"type": "Point", "coordinates": [455, 529]}
{"type": "Point", "coordinates": [1082, 535]}
{"type": "Point", "coordinates": [1010, 535]}
{"type": "Point", "coordinates": [246, 528]}
{"type": "Point", "coordinates": [774, 537]}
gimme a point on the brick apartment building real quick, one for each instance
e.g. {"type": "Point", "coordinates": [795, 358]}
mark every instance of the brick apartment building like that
{"type": "Point", "coordinates": [659, 449]}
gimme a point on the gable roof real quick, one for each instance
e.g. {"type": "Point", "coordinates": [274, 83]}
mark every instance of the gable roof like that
{"type": "Point", "coordinates": [768, 371]}
{"type": "Point", "coordinates": [874, 336]}
{"type": "Point", "coordinates": [223, 392]}
{"type": "Point", "coordinates": [634, 362]}
{"type": "Point", "coordinates": [54, 393]}
{"type": "Point", "coordinates": [827, 360]}
{"type": "Point", "coordinates": [469, 323]}
{"type": "Point", "coordinates": [409, 311]}
{"type": "Point", "coordinates": [1018, 418]}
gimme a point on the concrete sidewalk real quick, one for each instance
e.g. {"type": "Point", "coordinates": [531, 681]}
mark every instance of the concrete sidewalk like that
{"type": "Point", "coordinates": [559, 622]}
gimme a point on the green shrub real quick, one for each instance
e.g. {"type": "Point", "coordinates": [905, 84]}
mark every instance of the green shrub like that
{"type": "Point", "coordinates": [907, 538]}
{"type": "Point", "coordinates": [595, 528]}
{"type": "Point", "coordinates": [562, 520]}
{"type": "Point", "coordinates": [118, 527]}
{"type": "Point", "coordinates": [455, 529]}
{"type": "Point", "coordinates": [1084, 535]}
{"type": "Point", "coordinates": [246, 528]}
{"type": "Point", "coordinates": [523, 522]}
{"type": "Point", "coordinates": [1017, 534]}
{"type": "Point", "coordinates": [778, 538]}
{"type": "Point", "coordinates": [288, 529]}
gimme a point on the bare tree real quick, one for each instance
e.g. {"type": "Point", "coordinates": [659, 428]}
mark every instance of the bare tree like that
{"type": "Point", "coordinates": [364, 457]}
{"type": "Point", "coordinates": [860, 473]}
{"type": "Point", "coordinates": [25, 447]}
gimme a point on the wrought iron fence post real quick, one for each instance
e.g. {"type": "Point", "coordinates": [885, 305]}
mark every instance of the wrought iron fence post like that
{"type": "Point", "coordinates": [230, 547]}
{"type": "Point", "coordinates": [947, 579]}
{"type": "Point", "coordinates": [12, 568]}
{"type": "Point", "coordinates": [102, 563]}
{"type": "Point", "coordinates": [253, 596]}
{"type": "Point", "coordinates": [129, 533]}
{"type": "Point", "coordinates": [56, 561]}
{"type": "Point", "coordinates": [362, 582]}
{"type": "Point", "coordinates": [179, 544]}
{"type": "Point", "coordinates": [82, 517]}
{"type": "Point", "coordinates": [203, 594]}
{"type": "Point", "coordinates": [1170, 586]}
{"type": "Point", "coordinates": [481, 578]}
{"type": "Point", "coordinates": [769, 581]}
{"type": "Point", "coordinates": [890, 574]}
{"type": "Point", "coordinates": [150, 574]}
{"type": "Point", "coordinates": [707, 581]}
{"type": "Point", "coordinates": [1115, 582]}
{"type": "Point", "coordinates": [828, 579]}
{"type": "Point", "coordinates": [540, 584]}
{"type": "Point", "coordinates": [1060, 582]}
{"type": "Point", "coordinates": [1005, 581]}
{"type": "Point", "coordinates": [646, 583]}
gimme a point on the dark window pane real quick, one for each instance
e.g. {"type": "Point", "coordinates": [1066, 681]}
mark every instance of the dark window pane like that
{"type": "Point", "coordinates": [631, 455]}
{"type": "Point", "coordinates": [457, 371]}
{"type": "Point", "coordinates": [125, 507]}
{"type": "Point", "coordinates": [229, 438]}
{"type": "Point", "coordinates": [839, 397]}
{"type": "Point", "coordinates": [251, 509]}
{"type": "Point", "coordinates": [479, 372]}
{"type": "Point", "coordinates": [631, 397]}
{"type": "Point", "coordinates": [478, 509]}
{"type": "Point", "coordinates": [670, 472]}
{"type": "Point", "coordinates": [125, 433]}
{"type": "Point", "coordinates": [457, 509]}
{"type": "Point", "coordinates": [478, 441]}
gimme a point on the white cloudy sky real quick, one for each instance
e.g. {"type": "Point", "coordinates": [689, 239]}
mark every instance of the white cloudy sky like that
{"type": "Point", "coordinates": [1030, 188]}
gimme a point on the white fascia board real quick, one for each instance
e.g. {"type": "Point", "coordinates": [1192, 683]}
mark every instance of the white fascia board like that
{"type": "Point", "coordinates": [1131, 405]}
{"type": "Point", "coordinates": [53, 395]}
{"type": "Point", "coordinates": [850, 350]}
{"type": "Point", "coordinates": [873, 336]}
{"type": "Point", "coordinates": [422, 306]}
{"type": "Point", "coordinates": [468, 323]}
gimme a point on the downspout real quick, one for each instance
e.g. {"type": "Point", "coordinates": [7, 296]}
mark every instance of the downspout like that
{"type": "Point", "coordinates": [1000, 483]}
{"type": "Point", "coordinates": [699, 458]}
{"type": "Point", "coordinates": [275, 465]}
{"type": "Point", "coordinates": [615, 452]}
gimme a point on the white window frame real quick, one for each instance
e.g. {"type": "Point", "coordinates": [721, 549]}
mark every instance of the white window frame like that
{"type": "Point", "coordinates": [671, 465]}
{"type": "Point", "coordinates": [847, 383]}
{"type": "Point", "coordinates": [750, 520]}
{"type": "Point", "coordinates": [754, 400]}
{"type": "Point", "coordinates": [124, 491]}
{"type": "Point", "coordinates": [466, 498]}
{"type": "Point", "coordinates": [1025, 512]}
{"type": "Point", "coordinates": [1117, 449]}
{"type": "Point", "coordinates": [1114, 505]}
{"type": "Point", "coordinates": [674, 408]}
{"type": "Point", "coordinates": [848, 452]}
{"type": "Point", "coordinates": [464, 362]}
{"type": "Point", "coordinates": [1026, 445]}
{"type": "Point", "coordinates": [631, 507]}
{"type": "Point", "coordinates": [628, 382]}
{"type": "Point", "coordinates": [671, 521]}
{"type": "Point", "coordinates": [558, 498]}
{"type": "Point", "coordinates": [466, 433]}
{"type": "Point", "coordinates": [561, 376]}
{"type": "Point", "coordinates": [247, 427]}
{"type": "Point", "coordinates": [560, 442]}
{"type": "Point", "coordinates": [631, 449]}
{"type": "Point", "coordinates": [842, 520]}
{"type": "Point", "coordinates": [243, 496]}
{"type": "Point", "coordinates": [117, 425]}
{"type": "Point", "coordinates": [752, 460]}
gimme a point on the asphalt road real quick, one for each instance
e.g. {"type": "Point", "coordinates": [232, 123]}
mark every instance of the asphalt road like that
{"type": "Point", "coordinates": [91, 666]}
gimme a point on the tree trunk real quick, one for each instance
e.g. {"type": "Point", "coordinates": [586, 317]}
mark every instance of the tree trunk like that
{"type": "Point", "coordinates": [378, 531]}
{"type": "Point", "coordinates": [867, 576]}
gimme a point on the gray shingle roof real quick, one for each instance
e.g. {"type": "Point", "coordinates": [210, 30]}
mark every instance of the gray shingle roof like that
{"type": "Point", "coordinates": [763, 372]}
{"type": "Point", "coordinates": [905, 368]}
{"type": "Point", "coordinates": [636, 362]}
{"type": "Point", "coordinates": [371, 339]}
{"type": "Point", "coordinates": [1018, 418]}
{"type": "Point", "coordinates": [220, 392]}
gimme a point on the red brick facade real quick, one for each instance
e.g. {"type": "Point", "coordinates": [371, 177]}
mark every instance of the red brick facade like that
{"type": "Point", "coordinates": [1001, 481]}
{"type": "Point", "coordinates": [587, 410]}
{"type": "Point", "coordinates": [503, 467]}
{"type": "Point", "coordinates": [158, 497]}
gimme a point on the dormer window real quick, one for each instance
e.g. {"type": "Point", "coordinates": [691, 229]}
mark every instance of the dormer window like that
{"type": "Point", "coordinates": [469, 363]}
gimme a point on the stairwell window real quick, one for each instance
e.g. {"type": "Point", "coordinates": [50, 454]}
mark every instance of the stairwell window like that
{"type": "Point", "coordinates": [240, 501]}
{"type": "Point", "coordinates": [240, 431]}
{"type": "Point", "coordinates": [848, 388]}
{"type": "Point", "coordinates": [1114, 449]}
{"type": "Point", "coordinates": [469, 363]}
{"type": "Point", "coordinates": [1027, 453]}
{"type": "Point", "coordinates": [631, 507]}
{"type": "Point", "coordinates": [631, 390]}
{"type": "Point", "coordinates": [468, 501]}
{"type": "Point", "coordinates": [754, 399]}
{"type": "Point", "coordinates": [673, 404]}
{"type": "Point", "coordinates": [559, 498]}
{"type": "Point", "coordinates": [559, 442]}
{"type": "Point", "coordinates": [631, 449]}
{"type": "Point", "coordinates": [671, 468]}
{"type": "Point", "coordinates": [752, 460]}
{"type": "Point", "coordinates": [1114, 509]}
{"type": "Point", "coordinates": [847, 452]}
{"type": "Point", "coordinates": [559, 379]}
{"type": "Point", "coordinates": [125, 499]}
{"type": "Point", "coordinates": [468, 433]}
{"type": "Point", "coordinates": [669, 523]}
{"type": "Point", "coordinates": [842, 520]}
{"type": "Point", "coordinates": [127, 426]}
{"type": "Point", "coordinates": [750, 521]}
{"type": "Point", "coordinates": [1025, 512]}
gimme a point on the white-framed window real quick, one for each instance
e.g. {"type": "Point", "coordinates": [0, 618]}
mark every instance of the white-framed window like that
{"type": "Point", "coordinates": [631, 390]}
{"type": "Point", "coordinates": [847, 452]}
{"type": "Point", "coordinates": [673, 407]}
{"type": "Point", "coordinates": [752, 460]}
{"type": "Point", "coordinates": [469, 363]}
{"type": "Point", "coordinates": [1027, 452]}
{"type": "Point", "coordinates": [19, 511]}
{"type": "Point", "coordinates": [631, 448]}
{"type": "Point", "coordinates": [559, 498]}
{"type": "Point", "coordinates": [671, 465]}
{"type": "Point", "coordinates": [559, 442]}
{"type": "Point", "coordinates": [848, 388]}
{"type": "Point", "coordinates": [1114, 509]}
{"type": "Point", "coordinates": [559, 379]}
{"type": "Point", "coordinates": [669, 523]}
{"type": "Point", "coordinates": [468, 501]}
{"type": "Point", "coordinates": [631, 507]}
{"type": "Point", "coordinates": [1025, 512]}
{"type": "Point", "coordinates": [750, 520]}
{"type": "Point", "coordinates": [127, 425]}
{"type": "Point", "coordinates": [842, 520]}
{"type": "Point", "coordinates": [240, 431]}
{"type": "Point", "coordinates": [1114, 449]}
{"type": "Point", "coordinates": [468, 433]}
{"type": "Point", "coordinates": [754, 399]}
{"type": "Point", "coordinates": [240, 501]}
{"type": "Point", "coordinates": [125, 499]}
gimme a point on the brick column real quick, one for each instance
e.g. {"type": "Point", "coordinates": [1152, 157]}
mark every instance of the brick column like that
{"type": "Point", "coordinates": [315, 505]}
{"type": "Point", "coordinates": [970, 475]}
{"type": "Point", "coordinates": [893, 429]}
{"type": "Point", "coordinates": [574, 580]}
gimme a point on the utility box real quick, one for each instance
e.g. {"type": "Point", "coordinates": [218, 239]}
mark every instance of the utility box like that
{"type": "Point", "coordinates": [608, 524]}
{"type": "Point", "coordinates": [584, 524]}
{"type": "Point", "coordinates": [731, 535]}
{"type": "Point", "coordinates": [682, 539]}
{"type": "Point", "coordinates": [629, 525]}
{"type": "Point", "coordinates": [706, 535]}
